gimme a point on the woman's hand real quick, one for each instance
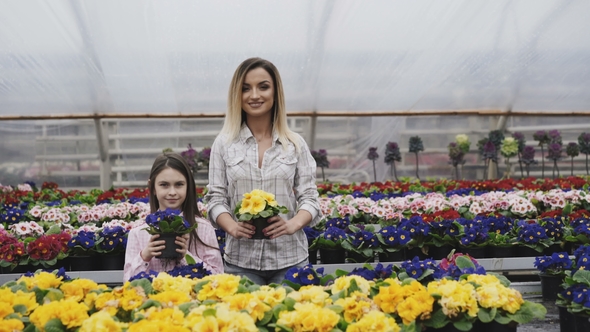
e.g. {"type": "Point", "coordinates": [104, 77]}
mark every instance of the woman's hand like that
{"type": "Point", "coordinates": [182, 241]}
{"type": "Point", "coordinates": [242, 230]}
{"type": "Point", "coordinates": [153, 249]}
{"type": "Point", "coordinates": [279, 226]}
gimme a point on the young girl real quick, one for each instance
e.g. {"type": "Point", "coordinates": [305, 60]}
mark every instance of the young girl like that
{"type": "Point", "coordinates": [172, 185]}
{"type": "Point", "coordinates": [256, 150]}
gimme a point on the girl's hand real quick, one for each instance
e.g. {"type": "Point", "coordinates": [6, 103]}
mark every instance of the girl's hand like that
{"type": "Point", "coordinates": [182, 241]}
{"type": "Point", "coordinates": [279, 226]}
{"type": "Point", "coordinates": [153, 249]}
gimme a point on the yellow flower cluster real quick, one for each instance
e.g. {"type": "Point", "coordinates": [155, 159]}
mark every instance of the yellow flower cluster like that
{"type": "Point", "coordinates": [410, 301]}
{"type": "Point", "coordinates": [227, 302]}
{"type": "Point", "coordinates": [492, 294]}
{"type": "Point", "coordinates": [256, 201]}
{"type": "Point", "coordinates": [309, 317]}
{"type": "Point", "coordinates": [456, 297]}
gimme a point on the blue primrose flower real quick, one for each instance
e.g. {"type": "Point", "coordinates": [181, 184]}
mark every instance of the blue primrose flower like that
{"type": "Point", "coordinates": [61, 272]}
{"type": "Point", "coordinates": [365, 239]}
{"type": "Point", "coordinates": [532, 233]}
{"type": "Point", "coordinates": [415, 267]}
{"type": "Point", "coordinates": [84, 239]}
{"type": "Point", "coordinates": [195, 271]}
{"type": "Point", "coordinates": [311, 233]}
{"type": "Point", "coordinates": [582, 251]}
{"type": "Point", "coordinates": [304, 276]}
{"type": "Point", "coordinates": [334, 234]}
{"type": "Point", "coordinates": [149, 275]}
{"type": "Point", "coordinates": [377, 273]}
{"type": "Point", "coordinates": [341, 223]}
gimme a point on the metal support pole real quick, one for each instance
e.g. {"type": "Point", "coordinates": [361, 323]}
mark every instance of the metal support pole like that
{"type": "Point", "coordinates": [105, 161]}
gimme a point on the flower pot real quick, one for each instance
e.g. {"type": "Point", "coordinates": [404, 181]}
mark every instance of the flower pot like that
{"type": "Point", "coordinates": [353, 257]}
{"type": "Point", "coordinates": [566, 320]}
{"type": "Point", "coordinates": [494, 326]}
{"type": "Point", "coordinates": [581, 323]}
{"type": "Point", "coordinates": [550, 286]}
{"type": "Point", "coordinates": [397, 256]}
{"type": "Point", "coordinates": [553, 248]}
{"type": "Point", "coordinates": [475, 252]}
{"type": "Point", "coordinates": [500, 251]}
{"type": "Point", "coordinates": [439, 252]}
{"type": "Point", "coordinates": [415, 251]}
{"type": "Point", "coordinates": [522, 251]}
{"type": "Point", "coordinates": [81, 263]}
{"type": "Point", "coordinates": [260, 224]}
{"type": "Point", "coordinates": [332, 256]}
{"type": "Point", "coordinates": [115, 261]}
{"type": "Point", "coordinates": [313, 256]}
{"type": "Point", "coordinates": [170, 249]}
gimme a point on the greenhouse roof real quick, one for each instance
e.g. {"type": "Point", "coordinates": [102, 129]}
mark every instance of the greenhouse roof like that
{"type": "Point", "coordinates": [137, 57]}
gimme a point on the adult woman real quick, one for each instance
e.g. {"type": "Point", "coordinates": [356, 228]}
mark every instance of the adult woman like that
{"type": "Point", "coordinates": [256, 150]}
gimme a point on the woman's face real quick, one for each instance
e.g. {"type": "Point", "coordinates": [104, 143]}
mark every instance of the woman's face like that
{"type": "Point", "coordinates": [170, 186]}
{"type": "Point", "coordinates": [257, 92]}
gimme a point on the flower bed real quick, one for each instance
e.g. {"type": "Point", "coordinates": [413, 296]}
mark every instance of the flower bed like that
{"type": "Point", "coordinates": [417, 295]}
{"type": "Point", "coordinates": [43, 227]}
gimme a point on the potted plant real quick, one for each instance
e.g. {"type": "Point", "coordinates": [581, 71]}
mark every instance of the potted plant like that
{"type": "Point", "coordinates": [362, 244]}
{"type": "Point", "coordinates": [553, 270]}
{"type": "Point", "coordinates": [111, 244]}
{"type": "Point", "coordinates": [393, 243]}
{"type": "Point", "coordinates": [168, 224]}
{"type": "Point", "coordinates": [329, 243]}
{"type": "Point", "coordinates": [81, 251]}
{"type": "Point", "coordinates": [256, 207]}
{"type": "Point", "coordinates": [574, 302]}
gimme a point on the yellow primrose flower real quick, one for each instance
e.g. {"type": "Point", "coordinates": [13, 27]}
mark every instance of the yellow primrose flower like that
{"type": "Point", "coordinates": [106, 299]}
{"type": "Point", "coordinates": [42, 280]}
{"type": "Point", "coordinates": [225, 319]}
{"type": "Point", "coordinates": [165, 282]}
{"type": "Point", "coordinates": [130, 297]}
{"type": "Point", "coordinates": [309, 317]}
{"type": "Point", "coordinates": [71, 314]}
{"type": "Point", "coordinates": [78, 289]}
{"type": "Point", "coordinates": [101, 321]}
{"type": "Point", "coordinates": [355, 306]}
{"type": "Point", "coordinates": [374, 321]}
{"type": "Point", "coordinates": [155, 326]}
{"type": "Point", "coordinates": [220, 286]}
{"type": "Point", "coordinates": [28, 300]}
{"type": "Point", "coordinates": [11, 325]}
{"type": "Point", "coordinates": [456, 297]}
{"type": "Point", "coordinates": [172, 316]}
{"type": "Point", "coordinates": [270, 295]}
{"type": "Point", "coordinates": [269, 198]}
{"type": "Point", "coordinates": [343, 283]}
{"type": "Point", "coordinates": [5, 309]}
{"type": "Point", "coordinates": [249, 303]}
{"type": "Point", "coordinates": [171, 298]}
{"type": "Point", "coordinates": [257, 193]}
{"type": "Point", "coordinates": [258, 205]}
{"type": "Point", "coordinates": [311, 294]}
{"type": "Point", "coordinates": [246, 206]}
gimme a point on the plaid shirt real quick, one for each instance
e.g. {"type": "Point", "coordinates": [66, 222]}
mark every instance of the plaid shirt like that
{"type": "Point", "coordinates": [138, 239]}
{"type": "Point", "coordinates": [290, 176]}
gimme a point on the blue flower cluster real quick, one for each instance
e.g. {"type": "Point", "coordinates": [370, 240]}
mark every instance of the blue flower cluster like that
{"type": "Point", "coordinates": [501, 224]}
{"type": "Point", "coordinates": [373, 273]}
{"type": "Point", "coordinates": [415, 267]}
{"type": "Point", "coordinates": [394, 237]}
{"type": "Point", "coordinates": [578, 293]}
{"type": "Point", "coordinates": [12, 216]}
{"type": "Point", "coordinates": [531, 232]}
{"type": "Point", "coordinates": [311, 233]}
{"type": "Point", "coordinates": [61, 272]}
{"type": "Point", "coordinates": [149, 275]}
{"type": "Point", "coordinates": [84, 239]}
{"type": "Point", "coordinates": [334, 234]}
{"type": "Point", "coordinates": [341, 223]}
{"type": "Point", "coordinates": [365, 239]}
{"type": "Point", "coordinates": [196, 270]}
{"type": "Point", "coordinates": [153, 219]}
{"type": "Point", "coordinates": [553, 228]}
{"type": "Point", "coordinates": [415, 226]}
{"type": "Point", "coordinates": [113, 238]}
{"type": "Point", "coordinates": [476, 231]}
{"type": "Point", "coordinates": [582, 257]}
{"type": "Point", "coordinates": [304, 276]}
{"type": "Point", "coordinates": [220, 234]}
{"type": "Point", "coordinates": [557, 263]}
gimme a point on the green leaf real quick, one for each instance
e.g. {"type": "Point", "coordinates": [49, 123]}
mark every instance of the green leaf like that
{"type": "Point", "coordinates": [185, 307]}
{"type": "Point", "coordinates": [463, 325]}
{"type": "Point", "coordinates": [165, 227]}
{"type": "Point", "coordinates": [54, 229]}
{"type": "Point", "coordinates": [486, 315]}
{"type": "Point", "coordinates": [54, 325]}
{"type": "Point", "coordinates": [582, 276]}
{"type": "Point", "coordinates": [150, 303]}
{"type": "Point", "coordinates": [20, 308]}
{"type": "Point", "coordinates": [277, 309]}
{"type": "Point", "coordinates": [197, 288]}
{"type": "Point", "coordinates": [176, 223]}
{"type": "Point", "coordinates": [210, 312]}
{"type": "Point", "coordinates": [189, 259]}
{"type": "Point", "coordinates": [464, 262]}
{"type": "Point", "coordinates": [267, 317]}
{"type": "Point", "coordinates": [290, 303]}
{"type": "Point", "coordinates": [438, 319]}
{"type": "Point", "coordinates": [145, 284]}
{"type": "Point", "coordinates": [567, 210]}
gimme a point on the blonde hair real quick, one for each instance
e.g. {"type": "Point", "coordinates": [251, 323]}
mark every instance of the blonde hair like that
{"type": "Point", "coordinates": [235, 116]}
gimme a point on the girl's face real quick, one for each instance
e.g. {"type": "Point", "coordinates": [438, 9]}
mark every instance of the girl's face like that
{"type": "Point", "coordinates": [257, 92]}
{"type": "Point", "coordinates": [170, 186]}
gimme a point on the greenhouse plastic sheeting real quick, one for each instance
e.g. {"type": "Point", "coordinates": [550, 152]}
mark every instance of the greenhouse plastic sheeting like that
{"type": "Point", "coordinates": [138, 56]}
{"type": "Point", "coordinates": [78, 58]}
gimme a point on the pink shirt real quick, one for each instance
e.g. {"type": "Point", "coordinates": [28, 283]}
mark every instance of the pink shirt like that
{"type": "Point", "coordinates": [138, 239]}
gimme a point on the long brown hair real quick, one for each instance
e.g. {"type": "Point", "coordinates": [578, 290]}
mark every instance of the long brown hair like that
{"type": "Point", "coordinates": [189, 207]}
